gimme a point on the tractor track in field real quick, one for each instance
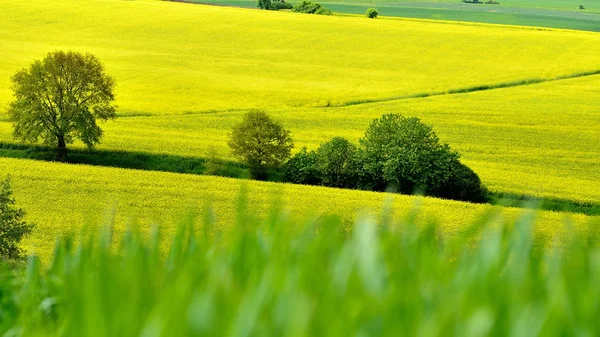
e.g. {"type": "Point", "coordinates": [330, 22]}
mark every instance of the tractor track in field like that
{"type": "Point", "coordinates": [464, 90]}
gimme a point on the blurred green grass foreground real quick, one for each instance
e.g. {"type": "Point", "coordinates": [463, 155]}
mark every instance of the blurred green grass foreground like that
{"type": "Point", "coordinates": [274, 277]}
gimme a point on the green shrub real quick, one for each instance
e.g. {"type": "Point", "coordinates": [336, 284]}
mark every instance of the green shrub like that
{"type": "Point", "coordinates": [302, 168]}
{"type": "Point", "coordinates": [372, 13]}
{"type": "Point", "coordinates": [405, 155]}
{"type": "Point", "coordinates": [13, 227]}
{"type": "Point", "coordinates": [310, 8]}
{"type": "Point", "coordinates": [463, 184]}
{"type": "Point", "coordinates": [280, 4]}
{"type": "Point", "coordinates": [273, 4]}
{"type": "Point", "coordinates": [336, 163]}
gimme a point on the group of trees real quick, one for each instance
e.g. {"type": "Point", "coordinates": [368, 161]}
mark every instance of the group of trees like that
{"type": "Point", "coordinates": [396, 154]}
{"type": "Point", "coordinates": [274, 5]}
{"type": "Point", "coordinates": [309, 7]}
{"type": "Point", "coordinates": [60, 98]}
{"type": "Point", "coordinates": [305, 6]}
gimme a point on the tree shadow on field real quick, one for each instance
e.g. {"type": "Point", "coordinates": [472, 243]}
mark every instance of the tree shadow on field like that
{"type": "Point", "coordinates": [231, 169]}
{"type": "Point", "coordinates": [131, 160]}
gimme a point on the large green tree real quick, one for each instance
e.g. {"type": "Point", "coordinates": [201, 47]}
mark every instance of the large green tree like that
{"type": "Point", "coordinates": [59, 99]}
{"type": "Point", "coordinates": [404, 154]}
{"type": "Point", "coordinates": [13, 227]}
{"type": "Point", "coordinates": [261, 143]}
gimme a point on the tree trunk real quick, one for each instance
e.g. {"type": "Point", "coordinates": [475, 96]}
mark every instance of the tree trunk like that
{"type": "Point", "coordinates": [61, 149]}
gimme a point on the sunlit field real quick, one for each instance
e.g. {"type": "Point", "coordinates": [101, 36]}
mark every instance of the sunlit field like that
{"type": "Point", "coordinates": [63, 199]}
{"type": "Point", "coordinates": [523, 140]}
{"type": "Point", "coordinates": [158, 251]}
{"type": "Point", "coordinates": [186, 73]}
{"type": "Point", "coordinates": [176, 58]}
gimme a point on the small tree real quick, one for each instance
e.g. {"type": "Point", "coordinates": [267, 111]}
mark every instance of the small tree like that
{"type": "Point", "coordinates": [335, 163]}
{"type": "Point", "coordinates": [372, 13]}
{"type": "Point", "coordinates": [59, 99]}
{"type": "Point", "coordinates": [12, 224]}
{"type": "Point", "coordinates": [261, 143]}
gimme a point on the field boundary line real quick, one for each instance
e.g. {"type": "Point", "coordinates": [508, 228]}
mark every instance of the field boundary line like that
{"type": "Point", "coordinates": [464, 90]}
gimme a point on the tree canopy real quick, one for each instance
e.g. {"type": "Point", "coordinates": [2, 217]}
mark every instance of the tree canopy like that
{"type": "Point", "coordinates": [406, 155]}
{"type": "Point", "coordinates": [261, 142]}
{"type": "Point", "coordinates": [335, 163]}
{"type": "Point", "coordinates": [59, 99]}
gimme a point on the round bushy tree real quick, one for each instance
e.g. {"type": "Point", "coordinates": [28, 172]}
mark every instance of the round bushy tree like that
{"type": "Point", "coordinates": [405, 155]}
{"type": "Point", "coordinates": [60, 98]}
{"type": "Point", "coordinates": [372, 13]}
{"type": "Point", "coordinates": [336, 163]}
{"type": "Point", "coordinates": [261, 143]}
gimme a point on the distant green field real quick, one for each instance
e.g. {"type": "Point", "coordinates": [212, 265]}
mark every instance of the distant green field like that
{"type": "Point", "coordinates": [590, 5]}
{"type": "Point", "coordinates": [514, 14]}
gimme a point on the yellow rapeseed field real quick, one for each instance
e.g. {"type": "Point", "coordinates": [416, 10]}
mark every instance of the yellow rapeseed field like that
{"type": "Point", "coordinates": [540, 140]}
{"type": "Point", "coordinates": [61, 198]}
{"type": "Point", "coordinates": [173, 58]}
{"type": "Point", "coordinates": [186, 73]}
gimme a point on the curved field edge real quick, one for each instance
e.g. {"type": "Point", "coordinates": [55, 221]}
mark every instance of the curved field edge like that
{"type": "Point", "coordinates": [171, 58]}
{"type": "Point", "coordinates": [63, 198]}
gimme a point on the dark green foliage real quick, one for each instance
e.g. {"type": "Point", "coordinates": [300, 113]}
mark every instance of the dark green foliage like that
{"type": "Point", "coordinates": [372, 13]}
{"type": "Point", "coordinates": [261, 143]}
{"type": "Point", "coordinates": [311, 8]}
{"type": "Point", "coordinates": [280, 4]}
{"type": "Point", "coordinates": [302, 168]}
{"type": "Point", "coordinates": [463, 184]}
{"type": "Point", "coordinates": [13, 226]}
{"type": "Point", "coordinates": [224, 168]}
{"type": "Point", "coordinates": [405, 155]}
{"type": "Point", "coordinates": [273, 4]}
{"type": "Point", "coordinates": [336, 163]}
{"type": "Point", "coordinates": [59, 99]}
{"type": "Point", "coordinates": [264, 4]}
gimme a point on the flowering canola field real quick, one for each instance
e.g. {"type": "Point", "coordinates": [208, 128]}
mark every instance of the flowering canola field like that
{"type": "Point", "coordinates": [60, 198]}
{"type": "Point", "coordinates": [540, 139]}
{"type": "Point", "coordinates": [174, 58]}
{"type": "Point", "coordinates": [186, 73]}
